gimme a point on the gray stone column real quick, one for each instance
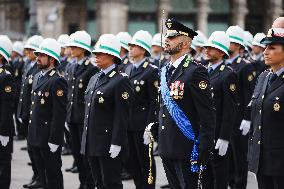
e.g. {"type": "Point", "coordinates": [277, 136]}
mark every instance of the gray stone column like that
{"type": "Point", "coordinates": [112, 16]}
{"type": "Point", "coordinates": [50, 17]}
{"type": "Point", "coordinates": [239, 12]}
{"type": "Point", "coordinates": [203, 9]}
{"type": "Point", "coordinates": [163, 8]}
{"type": "Point", "coordinates": [274, 11]}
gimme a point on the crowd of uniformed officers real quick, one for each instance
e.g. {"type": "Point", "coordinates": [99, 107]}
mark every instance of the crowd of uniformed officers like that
{"type": "Point", "coordinates": [214, 107]}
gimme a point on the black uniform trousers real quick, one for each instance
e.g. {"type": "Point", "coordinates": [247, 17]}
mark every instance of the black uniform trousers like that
{"type": "Point", "coordinates": [215, 176]}
{"type": "Point", "coordinates": [106, 171]}
{"type": "Point", "coordinates": [49, 166]}
{"type": "Point", "coordinates": [138, 163]}
{"type": "Point", "coordinates": [5, 170]}
{"type": "Point", "coordinates": [25, 126]}
{"type": "Point", "coordinates": [180, 170]}
{"type": "Point", "coordinates": [239, 160]}
{"type": "Point", "coordinates": [270, 182]}
{"type": "Point", "coordinates": [85, 176]}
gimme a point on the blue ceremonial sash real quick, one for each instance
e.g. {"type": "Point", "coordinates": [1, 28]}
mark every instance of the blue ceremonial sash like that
{"type": "Point", "coordinates": [180, 119]}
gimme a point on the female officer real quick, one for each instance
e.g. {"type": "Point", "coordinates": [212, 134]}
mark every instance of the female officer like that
{"type": "Point", "coordinates": [266, 150]}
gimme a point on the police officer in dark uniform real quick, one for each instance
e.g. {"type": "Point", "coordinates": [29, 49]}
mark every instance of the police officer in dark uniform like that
{"type": "Point", "coordinates": [78, 79]}
{"type": "Point", "coordinates": [24, 105]}
{"type": "Point", "coordinates": [157, 48]}
{"type": "Point", "coordinates": [224, 86]}
{"type": "Point", "coordinates": [63, 40]}
{"type": "Point", "coordinates": [246, 81]}
{"type": "Point", "coordinates": [266, 145]}
{"type": "Point", "coordinates": [186, 111]}
{"type": "Point", "coordinates": [17, 63]}
{"type": "Point", "coordinates": [124, 38]}
{"type": "Point", "coordinates": [7, 132]}
{"type": "Point", "coordinates": [107, 97]}
{"type": "Point", "coordinates": [48, 115]}
{"type": "Point", "coordinates": [257, 54]}
{"type": "Point", "coordinates": [144, 110]}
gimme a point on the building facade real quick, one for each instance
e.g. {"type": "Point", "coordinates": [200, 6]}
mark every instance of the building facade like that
{"type": "Point", "coordinates": [54, 17]}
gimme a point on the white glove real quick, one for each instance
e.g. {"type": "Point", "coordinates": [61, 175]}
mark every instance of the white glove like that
{"type": "Point", "coordinates": [114, 150]}
{"type": "Point", "coordinates": [4, 140]}
{"type": "Point", "coordinates": [222, 145]}
{"type": "Point", "coordinates": [245, 127]}
{"type": "Point", "coordinates": [53, 147]}
{"type": "Point", "coordinates": [147, 134]}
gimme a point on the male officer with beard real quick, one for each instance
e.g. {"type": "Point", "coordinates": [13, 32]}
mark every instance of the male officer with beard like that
{"type": "Point", "coordinates": [186, 119]}
{"type": "Point", "coordinates": [48, 115]}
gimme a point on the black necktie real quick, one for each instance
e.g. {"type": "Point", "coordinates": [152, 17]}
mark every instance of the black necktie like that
{"type": "Point", "coordinates": [170, 72]}
{"type": "Point", "coordinates": [39, 78]}
{"type": "Point", "coordinates": [272, 78]}
{"type": "Point", "coordinates": [210, 70]}
{"type": "Point", "coordinates": [134, 70]}
{"type": "Point", "coordinates": [100, 76]}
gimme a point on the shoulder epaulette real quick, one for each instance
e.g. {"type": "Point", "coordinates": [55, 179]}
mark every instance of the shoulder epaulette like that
{"type": "Point", "coordinates": [52, 73]}
{"type": "Point", "coordinates": [145, 64]}
{"type": "Point", "coordinates": [87, 62]}
{"type": "Point", "coordinates": [112, 74]}
{"type": "Point", "coordinates": [123, 74]}
{"type": "Point", "coordinates": [153, 66]}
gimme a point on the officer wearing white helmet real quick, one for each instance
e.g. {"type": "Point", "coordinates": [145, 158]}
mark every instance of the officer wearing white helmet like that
{"type": "Point", "coordinates": [6, 122]}
{"type": "Point", "coordinates": [246, 82]}
{"type": "Point", "coordinates": [224, 85]}
{"type": "Point", "coordinates": [78, 78]}
{"type": "Point", "coordinates": [248, 37]}
{"type": "Point", "coordinates": [108, 95]}
{"type": "Point", "coordinates": [17, 63]}
{"type": "Point", "coordinates": [24, 105]}
{"type": "Point", "coordinates": [198, 42]}
{"type": "Point", "coordinates": [48, 115]}
{"type": "Point", "coordinates": [124, 38]}
{"type": "Point", "coordinates": [257, 53]}
{"type": "Point", "coordinates": [63, 40]}
{"type": "Point", "coordinates": [144, 81]}
{"type": "Point", "coordinates": [157, 48]}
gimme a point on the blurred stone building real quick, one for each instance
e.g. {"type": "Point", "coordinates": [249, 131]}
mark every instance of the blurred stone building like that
{"type": "Point", "coordinates": [54, 17]}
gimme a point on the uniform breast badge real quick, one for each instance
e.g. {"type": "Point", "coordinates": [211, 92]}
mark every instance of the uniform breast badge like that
{"type": "Point", "coordinates": [8, 89]}
{"type": "Point", "coordinates": [202, 85]}
{"type": "Point", "coordinates": [137, 88]}
{"type": "Point", "coordinates": [125, 95]}
{"type": "Point", "coordinates": [59, 92]}
{"type": "Point", "coordinates": [276, 107]}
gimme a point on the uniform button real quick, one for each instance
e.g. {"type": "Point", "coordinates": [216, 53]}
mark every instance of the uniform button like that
{"type": "Point", "coordinates": [106, 131]}
{"type": "Point", "coordinates": [89, 104]}
{"type": "Point", "coordinates": [30, 121]}
{"type": "Point", "coordinates": [163, 115]}
{"type": "Point", "coordinates": [73, 78]}
{"type": "Point", "coordinates": [31, 112]}
{"type": "Point", "coordinates": [71, 103]}
{"type": "Point", "coordinates": [92, 92]}
{"type": "Point", "coordinates": [87, 116]}
{"type": "Point", "coordinates": [73, 87]}
{"type": "Point", "coordinates": [22, 93]}
{"type": "Point", "coordinates": [21, 100]}
{"type": "Point", "coordinates": [258, 142]}
{"type": "Point", "coordinates": [143, 108]}
{"type": "Point", "coordinates": [72, 95]}
{"type": "Point", "coordinates": [45, 123]}
{"type": "Point", "coordinates": [259, 127]}
{"type": "Point", "coordinates": [259, 111]}
{"type": "Point", "coordinates": [163, 127]}
{"type": "Point", "coordinates": [262, 97]}
{"type": "Point", "coordinates": [33, 102]}
{"type": "Point", "coordinates": [86, 128]}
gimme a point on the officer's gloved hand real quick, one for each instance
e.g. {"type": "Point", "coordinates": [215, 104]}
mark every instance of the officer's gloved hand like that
{"type": "Point", "coordinates": [53, 147]}
{"type": "Point", "coordinates": [222, 145]}
{"type": "Point", "coordinates": [147, 134]}
{"type": "Point", "coordinates": [114, 150]}
{"type": "Point", "coordinates": [245, 127]}
{"type": "Point", "coordinates": [4, 140]}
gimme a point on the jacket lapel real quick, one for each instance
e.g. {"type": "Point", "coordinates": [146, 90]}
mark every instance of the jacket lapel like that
{"type": "Point", "coordinates": [140, 69]}
{"type": "Point", "coordinates": [43, 80]}
{"type": "Point", "coordinates": [276, 84]}
{"type": "Point", "coordinates": [105, 79]}
{"type": "Point", "coordinates": [178, 71]}
{"type": "Point", "coordinates": [128, 70]}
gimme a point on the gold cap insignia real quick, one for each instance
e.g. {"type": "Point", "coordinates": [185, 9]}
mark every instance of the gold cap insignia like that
{"type": "Point", "coordinates": [125, 95]}
{"type": "Point", "coordinates": [269, 33]}
{"type": "Point", "coordinates": [8, 89]}
{"type": "Point", "coordinates": [59, 92]}
{"type": "Point", "coordinates": [202, 85]}
{"type": "Point", "coordinates": [169, 24]}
